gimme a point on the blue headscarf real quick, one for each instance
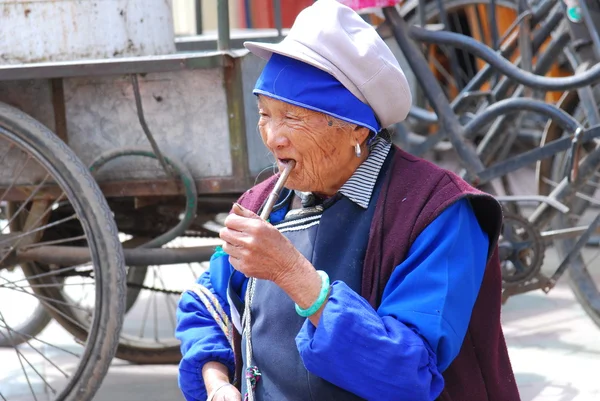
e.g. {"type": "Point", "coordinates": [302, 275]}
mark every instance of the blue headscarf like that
{"type": "Point", "coordinates": [301, 84]}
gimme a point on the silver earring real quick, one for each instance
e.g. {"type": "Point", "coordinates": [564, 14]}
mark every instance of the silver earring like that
{"type": "Point", "coordinates": [357, 150]}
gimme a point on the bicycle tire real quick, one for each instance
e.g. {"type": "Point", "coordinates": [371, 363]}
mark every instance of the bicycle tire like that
{"type": "Point", "coordinates": [579, 278]}
{"type": "Point", "coordinates": [107, 255]}
{"type": "Point", "coordinates": [431, 14]}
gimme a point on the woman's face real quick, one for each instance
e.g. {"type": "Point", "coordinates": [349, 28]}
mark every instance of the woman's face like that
{"type": "Point", "coordinates": [324, 152]}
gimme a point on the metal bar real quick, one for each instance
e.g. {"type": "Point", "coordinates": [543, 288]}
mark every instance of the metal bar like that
{"type": "Point", "coordinates": [514, 105]}
{"type": "Point", "coordinates": [142, 119]}
{"type": "Point", "coordinates": [504, 66]}
{"type": "Point", "coordinates": [534, 198]}
{"type": "Point", "coordinates": [525, 37]}
{"type": "Point", "coordinates": [485, 73]}
{"type": "Point", "coordinates": [493, 25]}
{"type": "Point", "coordinates": [208, 42]}
{"type": "Point", "coordinates": [223, 24]}
{"type": "Point", "coordinates": [515, 23]}
{"type": "Point", "coordinates": [542, 10]}
{"type": "Point", "coordinates": [422, 114]}
{"type": "Point", "coordinates": [540, 36]}
{"type": "Point", "coordinates": [563, 233]}
{"type": "Point", "coordinates": [277, 13]}
{"type": "Point", "coordinates": [587, 99]}
{"type": "Point", "coordinates": [434, 93]}
{"type": "Point", "coordinates": [493, 141]}
{"type": "Point", "coordinates": [198, 14]}
{"type": "Point", "coordinates": [73, 255]}
{"type": "Point", "coordinates": [591, 26]}
{"type": "Point", "coordinates": [454, 67]}
{"type": "Point", "coordinates": [237, 120]}
{"type": "Point", "coordinates": [544, 62]}
{"type": "Point", "coordinates": [499, 111]}
{"type": "Point", "coordinates": [574, 252]}
{"type": "Point", "coordinates": [494, 35]}
{"type": "Point", "coordinates": [116, 66]}
{"type": "Point", "coordinates": [532, 156]}
{"type": "Point", "coordinates": [59, 108]}
{"type": "Point", "coordinates": [161, 187]}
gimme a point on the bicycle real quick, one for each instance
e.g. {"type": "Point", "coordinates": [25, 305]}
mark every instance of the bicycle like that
{"type": "Point", "coordinates": [573, 154]}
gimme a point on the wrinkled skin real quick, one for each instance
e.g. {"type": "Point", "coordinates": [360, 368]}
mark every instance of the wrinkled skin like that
{"type": "Point", "coordinates": [324, 151]}
{"type": "Point", "coordinates": [324, 154]}
{"type": "Point", "coordinates": [228, 393]}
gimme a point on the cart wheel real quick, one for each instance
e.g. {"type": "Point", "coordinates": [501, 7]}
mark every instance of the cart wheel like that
{"type": "Point", "coordinates": [148, 335]}
{"type": "Point", "coordinates": [40, 172]}
{"type": "Point", "coordinates": [32, 323]}
{"type": "Point", "coordinates": [153, 291]}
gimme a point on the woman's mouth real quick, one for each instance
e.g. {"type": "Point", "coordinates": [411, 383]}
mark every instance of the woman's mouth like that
{"type": "Point", "coordinates": [284, 162]}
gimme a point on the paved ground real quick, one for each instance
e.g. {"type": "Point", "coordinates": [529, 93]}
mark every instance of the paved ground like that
{"type": "Point", "coordinates": [554, 348]}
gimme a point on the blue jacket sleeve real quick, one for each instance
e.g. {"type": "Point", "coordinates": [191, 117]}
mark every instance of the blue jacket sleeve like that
{"type": "Point", "coordinates": [400, 350]}
{"type": "Point", "coordinates": [202, 340]}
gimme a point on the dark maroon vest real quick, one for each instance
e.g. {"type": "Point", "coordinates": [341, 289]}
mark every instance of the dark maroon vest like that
{"type": "Point", "coordinates": [414, 194]}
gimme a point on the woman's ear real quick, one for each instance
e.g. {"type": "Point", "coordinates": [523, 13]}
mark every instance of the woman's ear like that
{"type": "Point", "coordinates": [360, 134]}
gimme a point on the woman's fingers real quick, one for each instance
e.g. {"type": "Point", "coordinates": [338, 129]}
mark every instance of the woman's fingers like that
{"type": "Point", "coordinates": [242, 223]}
{"type": "Point", "coordinates": [231, 236]}
{"type": "Point", "coordinates": [237, 264]}
{"type": "Point", "coordinates": [239, 210]}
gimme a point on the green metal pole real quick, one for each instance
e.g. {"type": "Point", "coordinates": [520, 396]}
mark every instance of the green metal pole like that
{"type": "Point", "coordinates": [223, 42]}
{"type": "Point", "coordinates": [277, 13]}
{"type": "Point", "coordinates": [198, 17]}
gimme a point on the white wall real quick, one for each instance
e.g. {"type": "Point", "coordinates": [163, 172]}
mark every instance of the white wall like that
{"type": "Point", "coordinates": [184, 16]}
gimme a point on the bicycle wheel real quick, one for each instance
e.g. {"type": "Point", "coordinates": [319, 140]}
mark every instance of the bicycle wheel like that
{"type": "Point", "coordinates": [38, 318]}
{"type": "Point", "coordinates": [40, 172]}
{"type": "Point", "coordinates": [467, 17]}
{"type": "Point", "coordinates": [33, 324]}
{"type": "Point", "coordinates": [455, 68]}
{"type": "Point", "coordinates": [504, 136]}
{"type": "Point", "coordinates": [147, 336]}
{"type": "Point", "coordinates": [584, 272]}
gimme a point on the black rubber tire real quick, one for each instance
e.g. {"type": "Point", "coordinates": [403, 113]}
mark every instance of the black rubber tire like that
{"type": "Point", "coordinates": [432, 12]}
{"type": "Point", "coordinates": [580, 280]}
{"type": "Point", "coordinates": [107, 255]}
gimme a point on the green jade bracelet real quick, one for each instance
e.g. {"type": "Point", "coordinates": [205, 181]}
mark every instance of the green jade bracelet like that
{"type": "Point", "coordinates": [320, 300]}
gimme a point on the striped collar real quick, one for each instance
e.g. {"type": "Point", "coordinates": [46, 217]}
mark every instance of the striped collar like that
{"type": "Point", "coordinates": [359, 187]}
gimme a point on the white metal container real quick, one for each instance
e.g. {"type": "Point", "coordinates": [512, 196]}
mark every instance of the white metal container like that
{"type": "Point", "coordinates": [65, 30]}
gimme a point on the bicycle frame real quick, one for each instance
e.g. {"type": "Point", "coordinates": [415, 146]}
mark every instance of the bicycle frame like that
{"type": "Point", "coordinates": [492, 143]}
{"type": "Point", "coordinates": [476, 172]}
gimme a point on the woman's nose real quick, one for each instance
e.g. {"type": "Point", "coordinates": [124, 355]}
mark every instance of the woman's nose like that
{"type": "Point", "coordinates": [276, 138]}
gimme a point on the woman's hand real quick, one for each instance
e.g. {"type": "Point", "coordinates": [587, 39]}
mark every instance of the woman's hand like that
{"type": "Point", "coordinates": [217, 384]}
{"type": "Point", "coordinates": [227, 392]}
{"type": "Point", "coordinates": [258, 249]}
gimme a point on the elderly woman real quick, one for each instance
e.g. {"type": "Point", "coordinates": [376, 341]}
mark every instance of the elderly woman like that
{"type": "Point", "coordinates": [376, 275]}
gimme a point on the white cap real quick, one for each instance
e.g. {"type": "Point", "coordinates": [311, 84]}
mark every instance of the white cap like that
{"type": "Point", "coordinates": [332, 37]}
